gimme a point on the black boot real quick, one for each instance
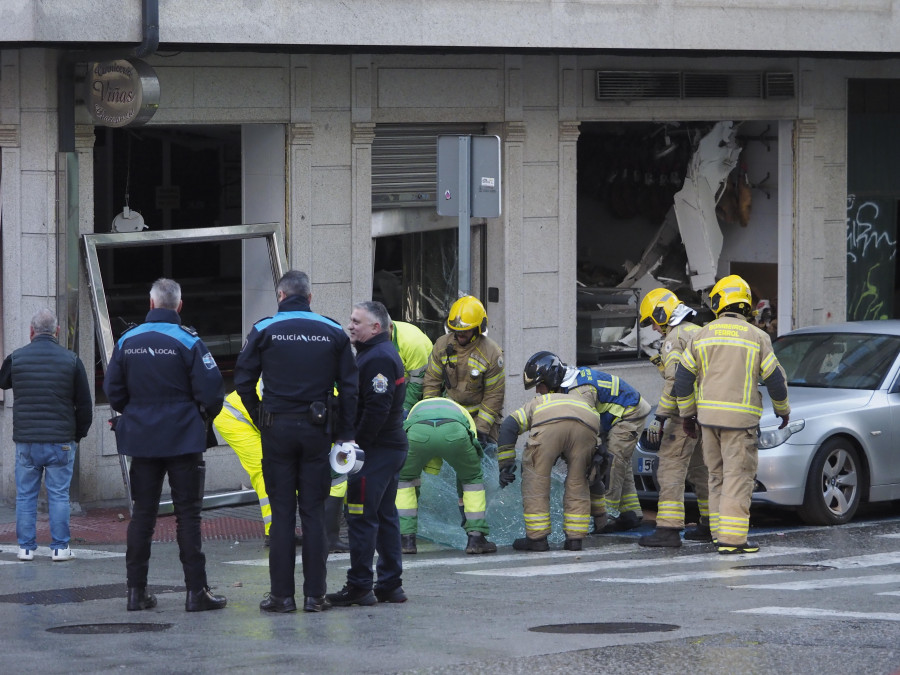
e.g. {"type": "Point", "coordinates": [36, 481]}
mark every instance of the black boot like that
{"type": "Point", "coordinates": [334, 508]}
{"type": "Point", "coordinates": [699, 533]}
{"type": "Point", "coordinates": [526, 544]}
{"type": "Point", "coordinates": [139, 599]}
{"type": "Point", "coordinates": [572, 544]}
{"type": "Point", "coordinates": [479, 544]}
{"type": "Point", "coordinates": [662, 537]}
{"type": "Point", "coordinates": [408, 543]}
{"type": "Point", "coordinates": [600, 523]}
{"type": "Point", "coordinates": [202, 600]}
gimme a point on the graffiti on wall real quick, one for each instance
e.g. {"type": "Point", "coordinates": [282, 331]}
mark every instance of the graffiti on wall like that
{"type": "Point", "coordinates": [871, 257]}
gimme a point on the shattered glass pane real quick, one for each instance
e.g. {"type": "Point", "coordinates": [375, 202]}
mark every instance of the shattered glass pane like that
{"type": "Point", "coordinates": [439, 517]}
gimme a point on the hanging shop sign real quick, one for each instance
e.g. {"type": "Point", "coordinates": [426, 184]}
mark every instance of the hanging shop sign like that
{"type": "Point", "coordinates": [122, 93]}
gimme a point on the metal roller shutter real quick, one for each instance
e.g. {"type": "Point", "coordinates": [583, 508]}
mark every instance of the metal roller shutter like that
{"type": "Point", "coordinates": [404, 162]}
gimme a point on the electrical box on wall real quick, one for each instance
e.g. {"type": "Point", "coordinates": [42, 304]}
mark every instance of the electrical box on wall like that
{"type": "Point", "coordinates": [483, 174]}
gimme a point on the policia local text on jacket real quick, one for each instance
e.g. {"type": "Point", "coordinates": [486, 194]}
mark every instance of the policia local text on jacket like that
{"type": "Point", "coordinates": [166, 384]}
{"type": "Point", "coordinates": [300, 356]}
{"type": "Point", "coordinates": [726, 359]}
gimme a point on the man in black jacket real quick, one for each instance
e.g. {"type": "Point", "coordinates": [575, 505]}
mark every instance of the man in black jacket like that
{"type": "Point", "coordinates": [52, 411]}
{"type": "Point", "coordinates": [167, 386]}
{"type": "Point", "coordinates": [372, 518]}
{"type": "Point", "coordinates": [300, 355]}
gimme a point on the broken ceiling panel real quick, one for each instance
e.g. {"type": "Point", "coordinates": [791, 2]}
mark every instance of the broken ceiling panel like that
{"type": "Point", "coordinates": [695, 204]}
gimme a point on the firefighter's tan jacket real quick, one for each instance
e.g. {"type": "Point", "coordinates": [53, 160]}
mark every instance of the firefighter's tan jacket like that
{"type": "Point", "coordinates": [673, 345]}
{"type": "Point", "coordinates": [542, 410]}
{"type": "Point", "coordinates": [727, 358]}
{"type": "Point", "coordinates": [473, 376]}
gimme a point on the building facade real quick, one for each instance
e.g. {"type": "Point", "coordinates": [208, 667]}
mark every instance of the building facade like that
{"type": "Point", "coordinates": [322, 117]}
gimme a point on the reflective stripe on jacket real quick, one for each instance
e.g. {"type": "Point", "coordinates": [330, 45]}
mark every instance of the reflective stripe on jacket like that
{"type": "Point", "coordinates": [726, 359]}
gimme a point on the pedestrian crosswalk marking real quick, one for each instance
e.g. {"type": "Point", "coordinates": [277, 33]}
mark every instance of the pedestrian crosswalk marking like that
{"type": "Point", "coordinates": [603, 565]}
{"type": "Point", "coordinates": [80, 553]}
{"type": "Point", "coordinates": [810, 585]}
{"type": "Point", "coordinates": [859, 561]}
{"type": "Point", "coordinates": [816, 613]}
{"type": "Point", "coordinates": [465, 560]}
{"type": "Point", "coordinates": [694, 576]}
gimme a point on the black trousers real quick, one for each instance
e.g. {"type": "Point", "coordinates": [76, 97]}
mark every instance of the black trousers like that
{"type": "Point", "coordinates": [372, 521]}
{"type": "Point", "coordinates": [187, 474]}
{"type": "Point", "coordinates": [297, 475]}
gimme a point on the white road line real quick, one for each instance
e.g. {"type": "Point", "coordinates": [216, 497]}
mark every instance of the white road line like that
{"type": "Point", "coordinates": [859, 561]}
{"type": "Point", "coordinates": [695, 576]}
{"type": "Point", "coordinates": [889, 593]}
{"type": "Point", "coordinates": [464, 559]}
{"type": "Point", "coordinates": [827, 583]}
{"type": "Point", "coordinates": [80, 553]}
{"type": "Point", "coordinates": [815, 613]}
{"type": "Point", "coordinates": [894, 535]}
{"type": "Point", "coordinates": [603, 565]}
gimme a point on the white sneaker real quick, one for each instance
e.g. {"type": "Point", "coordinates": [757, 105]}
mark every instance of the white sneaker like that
{"type": "Point", "coordinates": [61, 554]}
{"type": "Point", "coordinates": [25, 554]}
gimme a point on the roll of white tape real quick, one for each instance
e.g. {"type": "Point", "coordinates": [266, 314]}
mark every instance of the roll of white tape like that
{"type": "Point", "coordinates": [346, 458]}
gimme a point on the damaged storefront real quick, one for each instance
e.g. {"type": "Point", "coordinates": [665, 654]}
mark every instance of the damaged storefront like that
{"type": "Point", "coordinates": [620, 172]}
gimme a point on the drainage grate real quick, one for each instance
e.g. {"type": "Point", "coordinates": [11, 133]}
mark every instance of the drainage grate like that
{"type": "Point", "coordinates": [59, 596]}
{"type": "Point", "coordinates": [789, 568]}
{"type": "Point", "coordinates": [109, 628]}
{"type": "Point", "coordinates": [604, 628]}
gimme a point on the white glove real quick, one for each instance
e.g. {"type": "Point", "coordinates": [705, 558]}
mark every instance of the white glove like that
{"type": "Point", "coordinates": [655, 430]}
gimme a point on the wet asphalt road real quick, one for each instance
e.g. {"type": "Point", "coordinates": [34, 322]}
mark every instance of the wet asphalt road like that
{"type": "Point", "coordinates": [814, 600]}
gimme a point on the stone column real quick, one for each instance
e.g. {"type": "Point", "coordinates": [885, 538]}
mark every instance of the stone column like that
{"type": "Point", "coordinates": [568, 236]}
{"type": "Point", "coordinates": [298, 228]}
{"type": "Point", "coordinates": [809, 224]}
{"type": "Point", "coordinates": [515, 304]}
{"type": "Point", "coordinates": [362, 136]}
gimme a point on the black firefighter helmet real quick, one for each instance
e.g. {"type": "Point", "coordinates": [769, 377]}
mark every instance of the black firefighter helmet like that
{"type": "Point", "coordinates": [544, 367]}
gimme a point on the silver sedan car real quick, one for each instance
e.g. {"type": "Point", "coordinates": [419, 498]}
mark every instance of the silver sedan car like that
{"type": "Point", "coordinates": [842, 446]}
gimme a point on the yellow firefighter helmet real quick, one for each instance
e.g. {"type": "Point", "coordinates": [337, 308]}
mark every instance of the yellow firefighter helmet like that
{"type": "Point", "coordinates": [731, 292]}
{"type": "Point", "coordinates": [657, 307]}
{"type": "Point", "coordinates": [467, 313]}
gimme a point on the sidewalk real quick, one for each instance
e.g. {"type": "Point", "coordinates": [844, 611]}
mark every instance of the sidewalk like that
{"type": "Point", "coordinates": [110, 525]}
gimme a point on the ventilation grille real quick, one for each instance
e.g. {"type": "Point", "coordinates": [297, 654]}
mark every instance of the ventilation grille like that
{"type": "Point", "coordinates": [722, 85]}
{"type": "Point", "coordinates": [619, 85]}
{"type": "Point", "coordinates": [404, 162]}
{"type": "Point", "coordinates": [779, 85]}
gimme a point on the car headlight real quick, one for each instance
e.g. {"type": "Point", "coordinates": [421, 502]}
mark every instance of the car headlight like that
{"type": "Point", "coordinates": [772, 437]}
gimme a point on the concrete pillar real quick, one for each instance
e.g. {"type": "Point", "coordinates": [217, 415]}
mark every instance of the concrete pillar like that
{"type": "Point", "coordinates": [362, 136]}
{"type": "Point", "coordinates": [568, 236]}
{"type": "Point", "coordinates": [809, 242]}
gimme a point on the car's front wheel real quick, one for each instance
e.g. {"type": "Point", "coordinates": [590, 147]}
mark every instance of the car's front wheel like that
{"type": "Point", "coordinates": [834, 485]}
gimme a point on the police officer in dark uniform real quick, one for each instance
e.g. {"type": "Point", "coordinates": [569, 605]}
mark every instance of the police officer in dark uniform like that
{"type": "Point", "coordinates": [300, 356]}
{"type": "Point", "coordinates": [372, 518]}
{"type": "Point", "coordinates": [166, 384]}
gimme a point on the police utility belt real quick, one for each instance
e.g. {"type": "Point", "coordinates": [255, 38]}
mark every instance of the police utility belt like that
{"type": "Point", "coordinates": [316, 412]}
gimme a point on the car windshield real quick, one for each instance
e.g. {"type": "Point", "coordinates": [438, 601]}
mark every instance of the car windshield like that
{"type": "Point", "coordinates": [836, 360]}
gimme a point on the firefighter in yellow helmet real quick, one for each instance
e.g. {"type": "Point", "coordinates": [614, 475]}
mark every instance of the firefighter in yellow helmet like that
{"type": "Point", "coordinates": [467, 367]}
{"type": "Point", "coordinates": [716, 386]}
{"type": "Point", "coordinates": [680, 456]}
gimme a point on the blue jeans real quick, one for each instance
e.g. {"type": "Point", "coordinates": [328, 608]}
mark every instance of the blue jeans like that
{"type": "Point", "coordinates": [55, 461]}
